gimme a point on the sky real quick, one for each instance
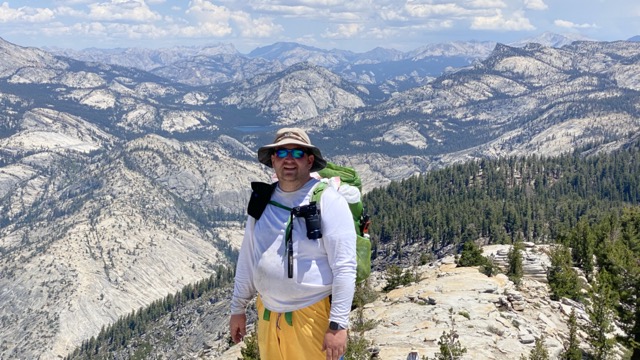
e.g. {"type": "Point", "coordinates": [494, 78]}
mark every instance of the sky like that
{"type": "Point", "coordinates": [355, 25]}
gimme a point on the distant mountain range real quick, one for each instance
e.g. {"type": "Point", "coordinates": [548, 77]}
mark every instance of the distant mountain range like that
{"type": "Point", "coordinates": [222, 63]}
{"type": "Point", "coordinates": [120, 185]}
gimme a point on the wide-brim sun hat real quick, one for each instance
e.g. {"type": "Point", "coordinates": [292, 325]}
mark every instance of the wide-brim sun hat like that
{"type": "Point", "coordinates": [292, 136]}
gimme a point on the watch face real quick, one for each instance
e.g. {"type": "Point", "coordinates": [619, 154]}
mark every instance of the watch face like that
{"type": "Point", "coordinates": [335, 326]}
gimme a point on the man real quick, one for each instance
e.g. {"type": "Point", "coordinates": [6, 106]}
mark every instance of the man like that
{"type": "Point", "coordinates": [303, 300]}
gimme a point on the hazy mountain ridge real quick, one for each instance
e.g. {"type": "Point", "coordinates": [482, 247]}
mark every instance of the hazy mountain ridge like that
{"type": "Point", "coordinates": [222, 63]}
{"type": "Point", "coordinates": [93, 154]}
{"type": "Point", "coordinates": [225, 65]}
{"type": "Point", "coordinates": [145, 59]}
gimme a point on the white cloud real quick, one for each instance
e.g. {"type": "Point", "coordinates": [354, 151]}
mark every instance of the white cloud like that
{"type": "Point", "coordinates": [204, 30]}
{"type": "Point", "coordinates": [141, 31]}
{"type": "Point", "coordinates": [389, 14]}
{"type": "Point", "coordinates": [344, 31]}
{"type": "Point", "coordinates": [93, 29]}
{"type": "Point", "coordinates": [111, 32]}
{"type": "Point", "coordinates": [516, 22]}
{"type": "Point", "coordinates": [287, 10]}
{"type": "Point", "coordinates": [571, 25]}
{"type": "Point", "coordinates": [289, 7]}
{"type": "Point", "coordinates": [322, 3]}
{"type": "Point", "coordinates": [116, 10]}
{"type": "Point", "coordinates": [535, 5]}
{"type": "Point", "coordinates": [383, 32]}
{"type": "Point", "coordinates": [24, 14]}
{"type": "Point", "coordinates": [352, 23]}
{"type": "Point", "coordinates": [205, 11]}
{"type": "Point", "coordinates": [71, 2]}
{"type": "Point", "coordinates": [260, 28]}
{"type": "Point", "coordinates": [347, 17]}
{"type": "Point", "coordinates": [428, 10]}
{"type": "Point", "coordinates": [408, 31]}
{"type": "Point", "coordinates": [69, 11]}
{"type": "Point", "coordinates": [484, 4]}
{"type": "Point", "coordinates": [213, 20]}
{"type": "Point", "coordinates": [116, 20]}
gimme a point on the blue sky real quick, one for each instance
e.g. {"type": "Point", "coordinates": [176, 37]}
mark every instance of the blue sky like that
{"type": "Point", "coordinates": [356, 25]}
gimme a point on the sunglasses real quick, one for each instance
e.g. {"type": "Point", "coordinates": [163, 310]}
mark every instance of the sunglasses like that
{"type": "Point", "coordinates": [295, 153]}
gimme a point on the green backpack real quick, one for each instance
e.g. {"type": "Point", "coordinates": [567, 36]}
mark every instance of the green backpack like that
{"type": "Point", "coordinates": [347, 182]}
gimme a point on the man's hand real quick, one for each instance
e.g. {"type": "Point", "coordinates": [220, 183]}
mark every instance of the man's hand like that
{"type": "Point", "coordinates": [238, 327]}
{"type": "Point", "coordinates": [335, 343]}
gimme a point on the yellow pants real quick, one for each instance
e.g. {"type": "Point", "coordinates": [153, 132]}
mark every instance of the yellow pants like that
{"type": "Point", "coordinates": [302, 340]}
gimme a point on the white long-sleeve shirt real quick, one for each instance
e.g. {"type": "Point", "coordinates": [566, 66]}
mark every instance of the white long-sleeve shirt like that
{"type": "Point", "coordinates": [322, 267]}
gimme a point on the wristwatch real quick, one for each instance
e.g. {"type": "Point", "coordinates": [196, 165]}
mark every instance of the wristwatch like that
{"type": "Point", "coordinates": [335, 326]}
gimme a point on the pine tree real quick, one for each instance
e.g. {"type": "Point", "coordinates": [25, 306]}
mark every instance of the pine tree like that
{"type": "Point", "coordinates": [514, 258]}
{"type": "Point", "coordinates": [601, 317]}
{"type": "Point", "coordinates": [490, 268]}
{"type": "Point", "coordinates": [630, 292]}
{"type": "Point", "coordinates": [563, 279]}
{"type": "Point", "coordinates": [539, 352]}
{"type": "Point", "coordinates": [582, 241]}
{"type": "Point", "coordinates": [357, 348]}
{"type": "Point", "coordinates": [618, 255]}
{"type": "Point", "coordinates": [471, 255]}
{"type": "Point", "coordinates": [393, 275]}
{"type": "Point", "coordinates": [357, 343]}
{"type": "Point", "coordinates": [571, 348]}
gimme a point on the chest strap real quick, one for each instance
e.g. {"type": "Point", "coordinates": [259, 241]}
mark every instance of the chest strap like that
{"type": "Point", "coordinates": [288, 240]}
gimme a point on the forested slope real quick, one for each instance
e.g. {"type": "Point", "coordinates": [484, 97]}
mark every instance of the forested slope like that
{"type": "Point", "coordinates": [498, 201]}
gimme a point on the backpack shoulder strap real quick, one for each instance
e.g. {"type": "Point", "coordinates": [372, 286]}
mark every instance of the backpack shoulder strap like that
{"type": "Point", "coordinates": [317, 192]}
{"type": "Point", "coordinates": [260, 197]}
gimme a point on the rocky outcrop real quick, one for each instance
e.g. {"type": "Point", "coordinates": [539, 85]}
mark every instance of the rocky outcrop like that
{"type": "Point", "coordinates": [535, 260]}
{"type": "Point", "coordinates": [493, 318]}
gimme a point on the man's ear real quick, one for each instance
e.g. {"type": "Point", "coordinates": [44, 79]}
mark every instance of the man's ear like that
{"type": "Point", "coordinates": [312, 159]}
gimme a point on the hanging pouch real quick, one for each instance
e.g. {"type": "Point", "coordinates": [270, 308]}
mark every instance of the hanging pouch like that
{"type": "Point", "coordinates": [260, 197]}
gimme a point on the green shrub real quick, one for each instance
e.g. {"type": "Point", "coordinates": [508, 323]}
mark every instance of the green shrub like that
{"type": "Point", "coordinates": [357, 348]}
{"type": "Point", "coordinates": [250, 350]}
{"type": "Point", "coordinates": [364, 294]}
{"type": "Point", "coordinates": [397, 277]}
{"type": "Point", "coordinates": [450, 347]}
{"type": "Point", "coordinates": [471, 255]}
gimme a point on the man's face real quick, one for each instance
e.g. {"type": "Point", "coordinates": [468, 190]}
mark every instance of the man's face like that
{"type": "Point", "coordinates": [292, 167]}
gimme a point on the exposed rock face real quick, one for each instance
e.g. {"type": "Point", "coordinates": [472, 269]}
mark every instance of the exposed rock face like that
{"type": "Point", "coordinates": [486, 328]}
{"type": "Point", "coordinates": [304, 92]}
